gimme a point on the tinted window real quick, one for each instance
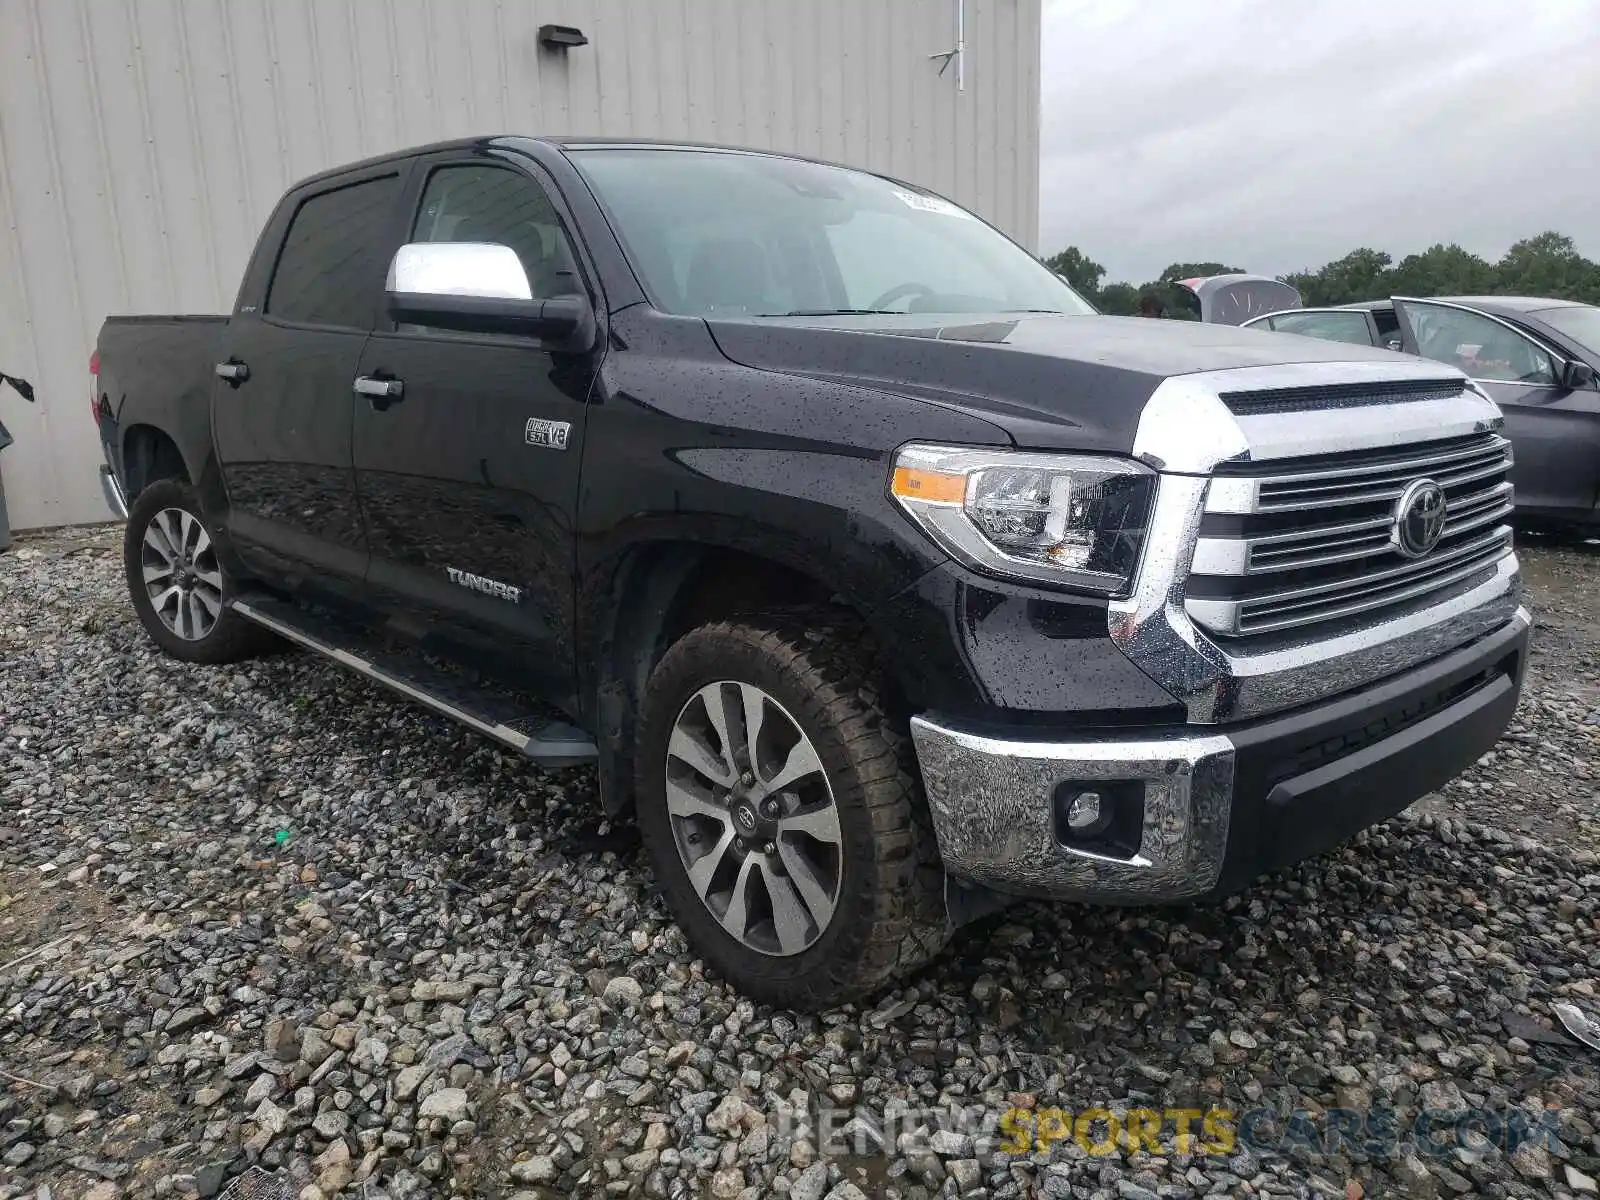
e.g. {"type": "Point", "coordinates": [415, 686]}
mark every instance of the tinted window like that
{"type": "Point", "coordinates": [332, 262]}
{"type": "Point", "coordinates": [491, 204]}
{"type": "Point", "coordinates": [1330, 327]}
{"type": "Point", "coordinates": [758, 235]}
{"type": "Point", "coordinates": [1580, 322]}
{"type": "Point", "coordinates": [1483, 348]}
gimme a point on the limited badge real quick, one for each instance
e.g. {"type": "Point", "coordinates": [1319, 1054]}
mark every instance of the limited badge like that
{"type": "Point", "coordinates": [550, 434]}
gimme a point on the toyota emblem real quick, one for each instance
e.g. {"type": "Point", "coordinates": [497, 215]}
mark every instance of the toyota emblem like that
{"type": "Point", "coordinates": [1419, 518]}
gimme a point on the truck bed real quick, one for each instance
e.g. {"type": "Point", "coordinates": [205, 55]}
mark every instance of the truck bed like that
{"type": "Point", "coordinates": [156, 370]}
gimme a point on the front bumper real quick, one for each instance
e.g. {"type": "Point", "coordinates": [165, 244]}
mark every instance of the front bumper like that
{"type": "Point", "coordinates": [1213, 807]}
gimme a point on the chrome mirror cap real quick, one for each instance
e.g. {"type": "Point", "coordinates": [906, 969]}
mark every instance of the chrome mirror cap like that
{"type": "Point", "coordinates": [485, 269]}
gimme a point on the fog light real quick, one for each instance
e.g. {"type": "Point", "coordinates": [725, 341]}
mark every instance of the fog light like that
{"type": "Point", "coordinates": [1084, 812]}
{"type": "Point", "coordinates": [1088, 814]}
{"type": "Point", "coordinates": [1099, 816]}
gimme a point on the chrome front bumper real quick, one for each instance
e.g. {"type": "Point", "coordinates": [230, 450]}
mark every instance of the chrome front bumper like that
{"type": "Point", "coordinates": [993, 811]}
{"type": "Point", "coordinates": [1219, 806]}
{"type": "Point", "coordinates": [111, 489]}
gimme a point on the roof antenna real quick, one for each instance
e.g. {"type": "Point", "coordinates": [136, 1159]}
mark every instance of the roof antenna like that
{"type": "Point", "coordinates": [959, 54]}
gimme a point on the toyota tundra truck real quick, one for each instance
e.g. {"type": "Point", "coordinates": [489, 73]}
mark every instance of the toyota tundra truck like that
{"type": "Point", "coordinates": [879, 578]}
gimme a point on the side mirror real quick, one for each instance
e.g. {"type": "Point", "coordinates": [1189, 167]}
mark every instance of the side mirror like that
{"type": "Point", "coordinates": [480, 287]}
{"type": "Point", "coordinates": [1577, 375]}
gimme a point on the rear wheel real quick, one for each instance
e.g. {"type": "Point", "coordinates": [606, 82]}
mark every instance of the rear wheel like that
{"type": "Point", "coordinates": [178, 586]}
{"type": "Point", "coordinates": [779, 805]}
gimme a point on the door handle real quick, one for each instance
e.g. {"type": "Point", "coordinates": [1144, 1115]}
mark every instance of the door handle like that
{"type": "Point", "coordinates": [380, 392]}
{"type": "Point", "coordinates": [233, 371]}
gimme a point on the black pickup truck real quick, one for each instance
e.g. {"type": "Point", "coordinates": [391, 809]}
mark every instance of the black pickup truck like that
{"type": "Point", "coordinates": [879, 577]}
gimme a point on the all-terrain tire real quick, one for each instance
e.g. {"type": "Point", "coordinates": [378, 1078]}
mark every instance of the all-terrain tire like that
{"type": "Point", "coordinates": [231, 638]}
{"type": "Point", "coordinates": [889, 919]}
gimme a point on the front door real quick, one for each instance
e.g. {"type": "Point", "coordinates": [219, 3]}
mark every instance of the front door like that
{"type": "Point", "coordinates": [468, 472]}
{"type": "Point", "coordinates": [1552, 428]}
{"type": "Point", "coordinates": [281, 404]}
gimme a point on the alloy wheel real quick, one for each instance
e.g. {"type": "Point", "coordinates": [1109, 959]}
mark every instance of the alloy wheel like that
{"type": "Point", "coordinates": [754, 819]}
{"type": "Point", "coordinates": [181, 573]}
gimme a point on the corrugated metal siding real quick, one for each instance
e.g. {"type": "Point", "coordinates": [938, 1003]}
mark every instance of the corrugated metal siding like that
{"type": "Point", "coordinates": [143, 142]}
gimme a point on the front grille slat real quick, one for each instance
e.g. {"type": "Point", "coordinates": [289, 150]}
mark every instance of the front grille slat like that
{"type": "Point", "coordinates": [1408, 465]}
{"type": "Point", "coordinates": [1310, 541]}
{"type": "Point", "coordinates": [1322, 545]}
{"type": "Point", "coordinates": [1320, 495]}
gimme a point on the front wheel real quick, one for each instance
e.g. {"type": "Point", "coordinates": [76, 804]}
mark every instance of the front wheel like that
{"type": "Point", "coordinates": [779, 805]}
{"type": "Point", "coordinates": [179, 589]}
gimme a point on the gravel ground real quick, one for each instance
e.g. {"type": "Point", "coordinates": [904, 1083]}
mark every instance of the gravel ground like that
{"type": "Point", "coordinates": [268, 916]}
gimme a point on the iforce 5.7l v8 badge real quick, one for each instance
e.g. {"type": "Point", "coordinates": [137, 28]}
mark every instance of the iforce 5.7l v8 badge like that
{"type": "Point", "coordinates": [552, 435]}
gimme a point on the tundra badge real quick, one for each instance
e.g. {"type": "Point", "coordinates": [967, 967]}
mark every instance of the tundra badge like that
{"type": "Point", "coordinates": [489, 587]}
{"type": "Point", "coordinates": [550, 434]}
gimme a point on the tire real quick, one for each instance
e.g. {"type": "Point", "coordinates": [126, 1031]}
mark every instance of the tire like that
{"type": "Point", "coordinates": [813, 670]}
{"type": "Point", "coordinates": [193, 622]}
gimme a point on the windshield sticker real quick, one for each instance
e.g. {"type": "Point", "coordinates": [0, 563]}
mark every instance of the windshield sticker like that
{"type": "Point", "coordinates": [931, 204]}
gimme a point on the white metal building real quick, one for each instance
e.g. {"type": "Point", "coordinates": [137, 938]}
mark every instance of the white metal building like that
{"type": "Point", "coordinates": [143, 142]}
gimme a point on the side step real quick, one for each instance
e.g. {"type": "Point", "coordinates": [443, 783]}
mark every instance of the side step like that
{"type": "Point", "coordinates": [518, 725]}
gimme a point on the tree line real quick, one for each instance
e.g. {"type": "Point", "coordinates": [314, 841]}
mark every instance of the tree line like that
{"type": "Point", "coordinates": [1546, 265]}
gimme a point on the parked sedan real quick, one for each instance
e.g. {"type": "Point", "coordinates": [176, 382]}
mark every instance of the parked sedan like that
{"type": "Point", "coordinates": [1538, 358]}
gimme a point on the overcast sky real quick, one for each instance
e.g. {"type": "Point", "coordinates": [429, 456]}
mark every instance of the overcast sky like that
{"type": "Point", "coordinates": [1278, 134]}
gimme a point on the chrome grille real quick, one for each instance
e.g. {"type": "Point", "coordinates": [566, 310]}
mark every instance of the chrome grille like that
{"type": "Point", "coordinates": [1310, 540]}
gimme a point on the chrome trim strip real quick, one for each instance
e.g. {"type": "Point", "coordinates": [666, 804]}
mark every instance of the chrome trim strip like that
{"type": "Point", "coordinates": [1315, 606]}
{"type": "Point", "coordinates": [1322, 554]}
{"type": "Point", "coordinates": [111, 489]}
{"type": "Point", "coordinates": [1240, 495]}
{"type": "Point", "coordinates": [1398, 572]}
{"type": "Point", "coordinates": [1423, 463]}
{"type": "Point", "coordinates": [1236, 555]}
{"type": "Point", "coordinates": [1310, 495]}
{"type": "Point", "coordinates": [991, 801]}
{"type": "Point", "coordinates": [1328, 545]}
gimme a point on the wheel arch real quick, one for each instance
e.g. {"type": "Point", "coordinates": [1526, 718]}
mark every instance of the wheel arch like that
{"type": "Point", "coordinates": [657, 593]}
{"type": "Point", "coordinates": [150, 453]}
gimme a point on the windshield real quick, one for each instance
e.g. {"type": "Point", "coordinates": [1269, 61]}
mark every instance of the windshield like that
{"type": "Point", "coordinates": [727, 234]}
{"type": "Point", "coordinates": [1581, 323]}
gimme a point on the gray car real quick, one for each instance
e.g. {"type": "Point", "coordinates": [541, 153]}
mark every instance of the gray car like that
{"type": "Point", "coordinates": [1538, 358]}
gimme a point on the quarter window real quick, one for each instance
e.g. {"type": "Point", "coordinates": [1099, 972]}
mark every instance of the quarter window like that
{"type": "Point", "coordinates": [332, 264]}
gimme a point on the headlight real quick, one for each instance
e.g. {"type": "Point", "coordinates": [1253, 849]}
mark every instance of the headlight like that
{"type": "Point", "coordinates": [1073, 520]}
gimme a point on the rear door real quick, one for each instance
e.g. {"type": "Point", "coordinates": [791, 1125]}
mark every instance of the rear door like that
{"type": "Point", "coordinates": [1353, 325]}
{"type": "Point", "coordinates": [1552, 428]}
{"type": "Point", "coordinates": [282, 403]}
{"type": "Point", "coordinates": [469, 475]}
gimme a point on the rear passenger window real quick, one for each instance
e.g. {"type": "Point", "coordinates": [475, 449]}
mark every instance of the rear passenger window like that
{"type": "Point", "coordinates": [332, 263]}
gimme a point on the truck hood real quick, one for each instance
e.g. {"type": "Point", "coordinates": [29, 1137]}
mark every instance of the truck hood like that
{"type": "Point", "coordinates": [1048, 380]}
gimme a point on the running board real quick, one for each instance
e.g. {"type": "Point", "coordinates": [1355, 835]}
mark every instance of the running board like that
{"type": "Point", "coordinates": [549, 743]}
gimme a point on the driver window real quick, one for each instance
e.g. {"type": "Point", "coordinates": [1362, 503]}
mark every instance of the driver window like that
{"type": "Point", "coordinates": [1483, 348]}
{"type": "Point", "coordinates": [493, 204]}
